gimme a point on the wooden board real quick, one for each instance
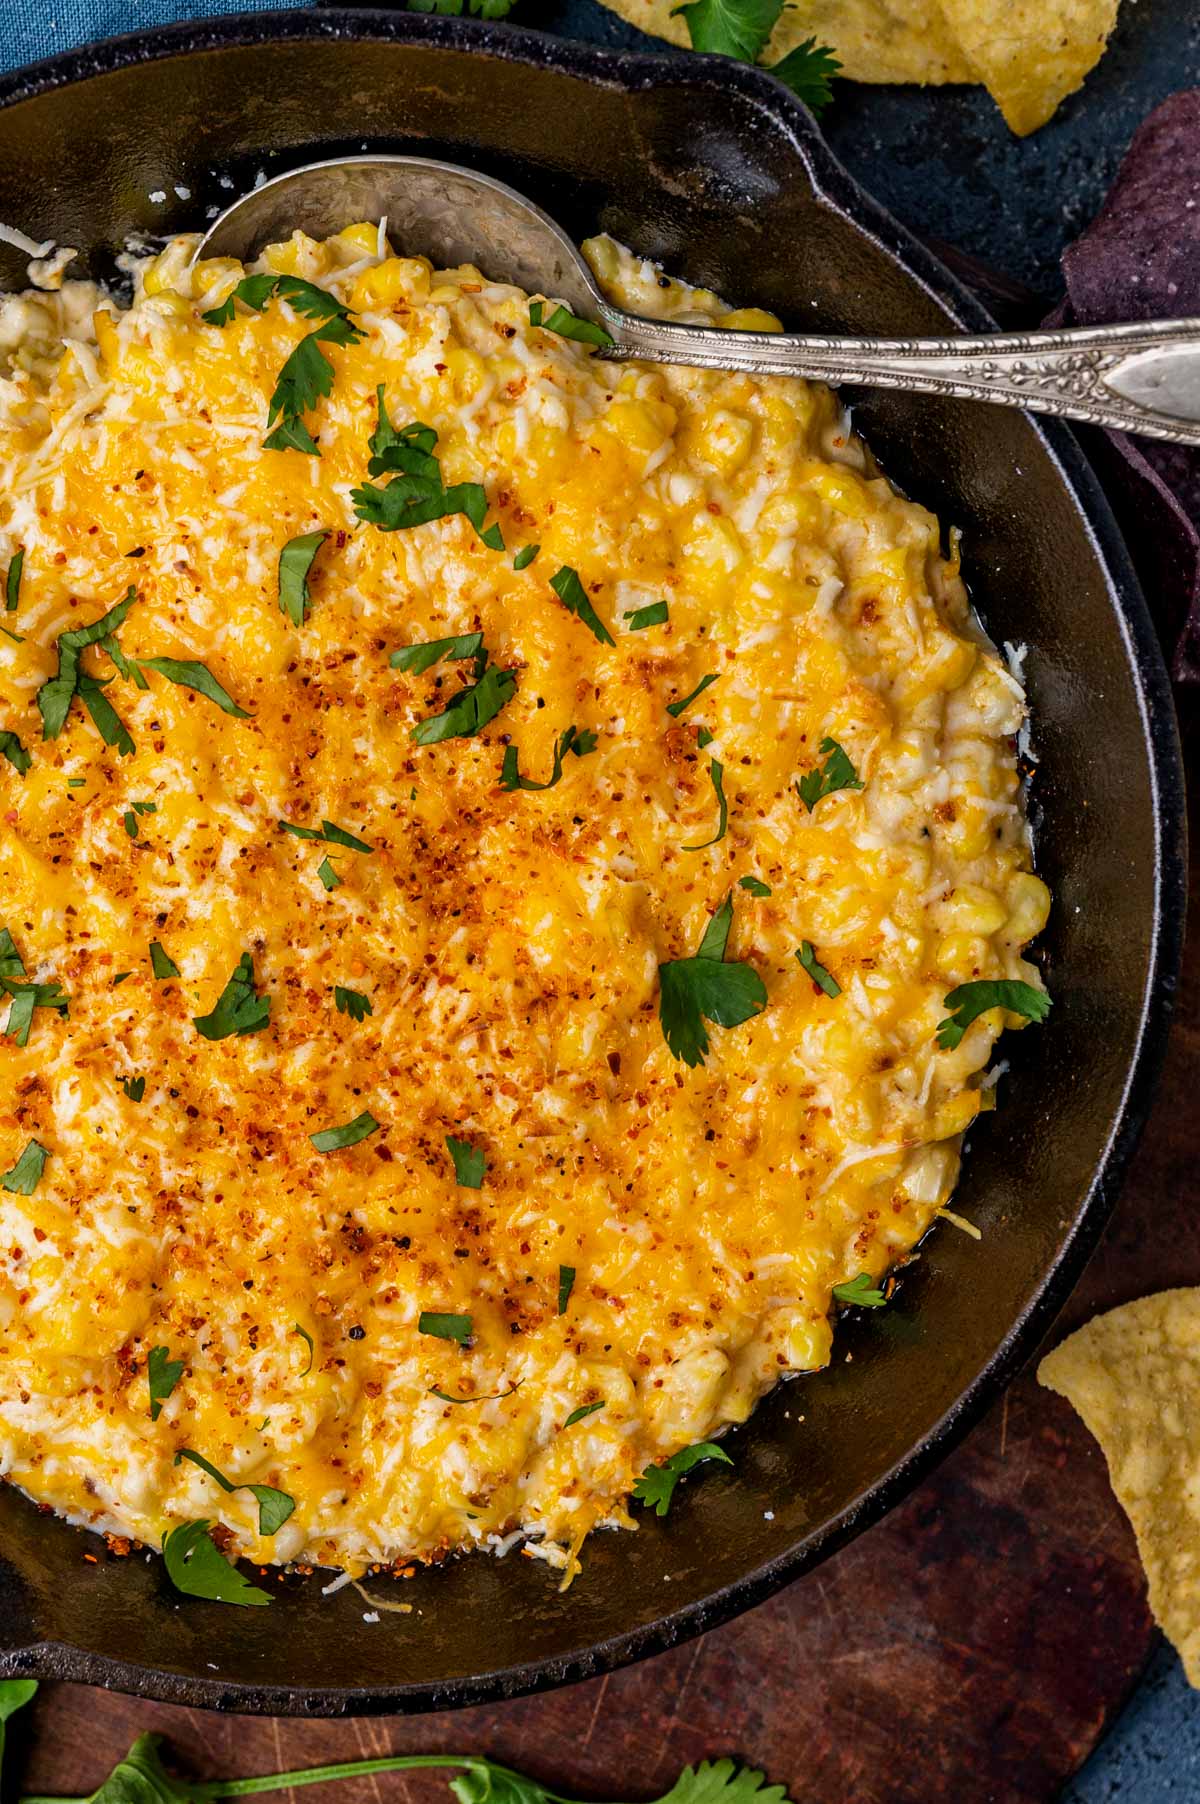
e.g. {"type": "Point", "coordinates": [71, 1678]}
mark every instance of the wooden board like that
{"type": "Point", "coordinates": [972, 1646]}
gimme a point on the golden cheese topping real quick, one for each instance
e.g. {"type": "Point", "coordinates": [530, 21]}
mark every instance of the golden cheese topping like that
{"type": "Point", "coordinates": [656, 1236]}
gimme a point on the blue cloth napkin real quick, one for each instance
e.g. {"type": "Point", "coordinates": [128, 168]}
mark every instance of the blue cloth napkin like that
{"type": "Point", "coordinates": [34, 28]}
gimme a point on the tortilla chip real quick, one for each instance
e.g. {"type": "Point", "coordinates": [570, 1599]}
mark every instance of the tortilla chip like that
{"type": "Point", "coordinates": [1031, 54]}
{"type": "Point", "coordinates": [1134, 1377]}
{"type": "Point", "coordinates": [904, 40]}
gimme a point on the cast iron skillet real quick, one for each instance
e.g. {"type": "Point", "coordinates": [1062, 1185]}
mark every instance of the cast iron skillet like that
{"type": "Point", "coordinates": [712, 168]}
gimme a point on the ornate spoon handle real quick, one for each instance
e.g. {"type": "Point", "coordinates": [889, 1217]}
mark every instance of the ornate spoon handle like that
{"type": "Point", "coordinates": [1138, 378]}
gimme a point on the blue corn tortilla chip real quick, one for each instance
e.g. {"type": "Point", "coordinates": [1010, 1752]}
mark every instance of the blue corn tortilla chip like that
{"type": "Point", "coordinates": [1140, 259]}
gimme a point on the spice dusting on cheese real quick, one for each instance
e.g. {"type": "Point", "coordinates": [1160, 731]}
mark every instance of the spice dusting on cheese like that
{"type": "Point", "coordinates": [400, 983]}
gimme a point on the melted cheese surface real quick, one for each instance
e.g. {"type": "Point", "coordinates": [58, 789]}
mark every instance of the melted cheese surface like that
{"type": "Point", "coordinates": [509, 943]}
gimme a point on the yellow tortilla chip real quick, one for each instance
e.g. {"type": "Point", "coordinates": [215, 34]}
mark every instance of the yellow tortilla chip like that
{"type": "Point", "coordinates": [1134, 1377]}
{"type": "Point", "coordinates": [904, 40]}
{"type": "Point", "coordinates": [1031, 53]}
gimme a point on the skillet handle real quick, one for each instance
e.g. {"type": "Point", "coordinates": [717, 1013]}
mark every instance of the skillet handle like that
{"type": "Point", "coordinates": [1134, 378]}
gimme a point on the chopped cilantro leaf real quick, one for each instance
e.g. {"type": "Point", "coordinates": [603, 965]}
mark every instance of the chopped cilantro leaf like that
{"type": "Point", "coordinates": [706, 988]}
{"type": "Point", "coordinates": [566, 1284]}
{"type": "Point", "coordinates": [295, 561]}
{"type": "Point", "coordinates": [134, 1088]}
{"type": "Point", "coordinates": [274, 1507]}
{"type": "Point", "coordinates": [12, 581]}
{"type": "Point", "coordinates": [417, 492]}
{"type": "Point", "coordinates": [237, 1010]}
{"type": "Point", "coordinates": [12, 749]}
{"type": "Point", "coordinates": [469, 1162]}
{"type": "Point", "coordinates": [470, 710]}
{"type": "Point", "coordinates": [191, 674]}
{"type": "Point", "coordinates": [676, 708]}
{"type": "Point", "coordinates": [351, 1002]}
{"type": "Point", "coordinates": [655, 614]}
{"type": "Point", "coordinates": [585, 1409]}
{"type": "Point", "coordinates": [23, 1178]}
{"type": "Point", "coordinates": [76, 782]}
{"type": "Point", "coordinates": [525, 556]}
{"type": "Point", "coordinates": [860, 1291]}
{"type": "Point", "coordinates": [11, 964]}
{"type": "Point", "coordinates": [25, 998]}
{"type": "Point", "coordinates": [195, 1567]}
{"type": "Point", "coordinates": [487, 1397]}
{"type": "Point", "coordinates": [330, 832]}
{"type": "Point", "coordinates": [162, 1375]}
{"type": "Point", "coordinates": [656, 1486]}
{"type": "Point", "coordinates": [332, 1140]}
{"type": "Point", "coordinates": [716, 772]}
{"type": "Point", "coordinates": [445, 1327]}
{"type": "Point", "coordinates": [573, 740]}
{"type": "Point", "coordinates": [120, 978]}
{"type": "Point", "coordinates": [55, 696]}
{"type": "Point", "coordinates": [161, 963]}
{"type": "Point", "coordinates": [970, 1000]}
{"type": "Point", "coordinates": [327, 874]}
{"type": "Point", "coordinates": [836, 773]}
{"type": "Point", "coordinates": [754, 885]}
{"type": "Point", "coordinates": [417, 659]}
{"type": "Point", "coordinates": [574, 597]}
{"type": "Point", "coordinates": [823, 979]}
{"type": "Point", "coordinates": [568, 325]}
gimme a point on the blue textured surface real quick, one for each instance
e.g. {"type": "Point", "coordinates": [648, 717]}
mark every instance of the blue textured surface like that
{"type": "Point", "coordinates": [36, 28]}
{"type": "Point", "coordinates": [946, 165]}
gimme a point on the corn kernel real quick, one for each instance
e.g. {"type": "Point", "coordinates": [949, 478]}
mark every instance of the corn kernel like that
{"type": "Point", "coordinates": [214, 273]}
{"type": "Point", "coordinates": [299, 255]}
{"type": "Point", "coordinates": [961, 956]}
{"type": "Point", "coordinates": [955, 1115]}
{"type": "Point", "coordinates": [973, 909]}
{"type": "Point", "coordinates": [364, 236]}
{"type": "Point", "coordinates": [1028, 906]}
{"type": "Point", "coordinates": [749, 319]}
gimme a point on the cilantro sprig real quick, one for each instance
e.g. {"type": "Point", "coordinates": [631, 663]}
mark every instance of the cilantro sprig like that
{"type": "Point", "coordinates": [742, 29]}
{"type": "Point", "coordinates": [656, 1486]}
{"type": "Point", "coordinates": [306, 377]}
{"type": "Point", "coordinates": [707, 987]}
{"type": "Point", "coordinates": [970, 1000]}
{"type": "Point", "coordinates": [141, 1777]}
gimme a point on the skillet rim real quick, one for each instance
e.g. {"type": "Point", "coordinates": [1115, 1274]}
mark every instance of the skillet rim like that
{"type": "Point", "coordinates": [635, 71]}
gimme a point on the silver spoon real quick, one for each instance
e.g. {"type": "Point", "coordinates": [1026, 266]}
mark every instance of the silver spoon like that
{"type": "Point", "coordinates": [1140, 378]}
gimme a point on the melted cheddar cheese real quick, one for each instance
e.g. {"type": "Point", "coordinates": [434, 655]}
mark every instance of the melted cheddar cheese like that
{"type": "Point", "coordinates": [508, 941]}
